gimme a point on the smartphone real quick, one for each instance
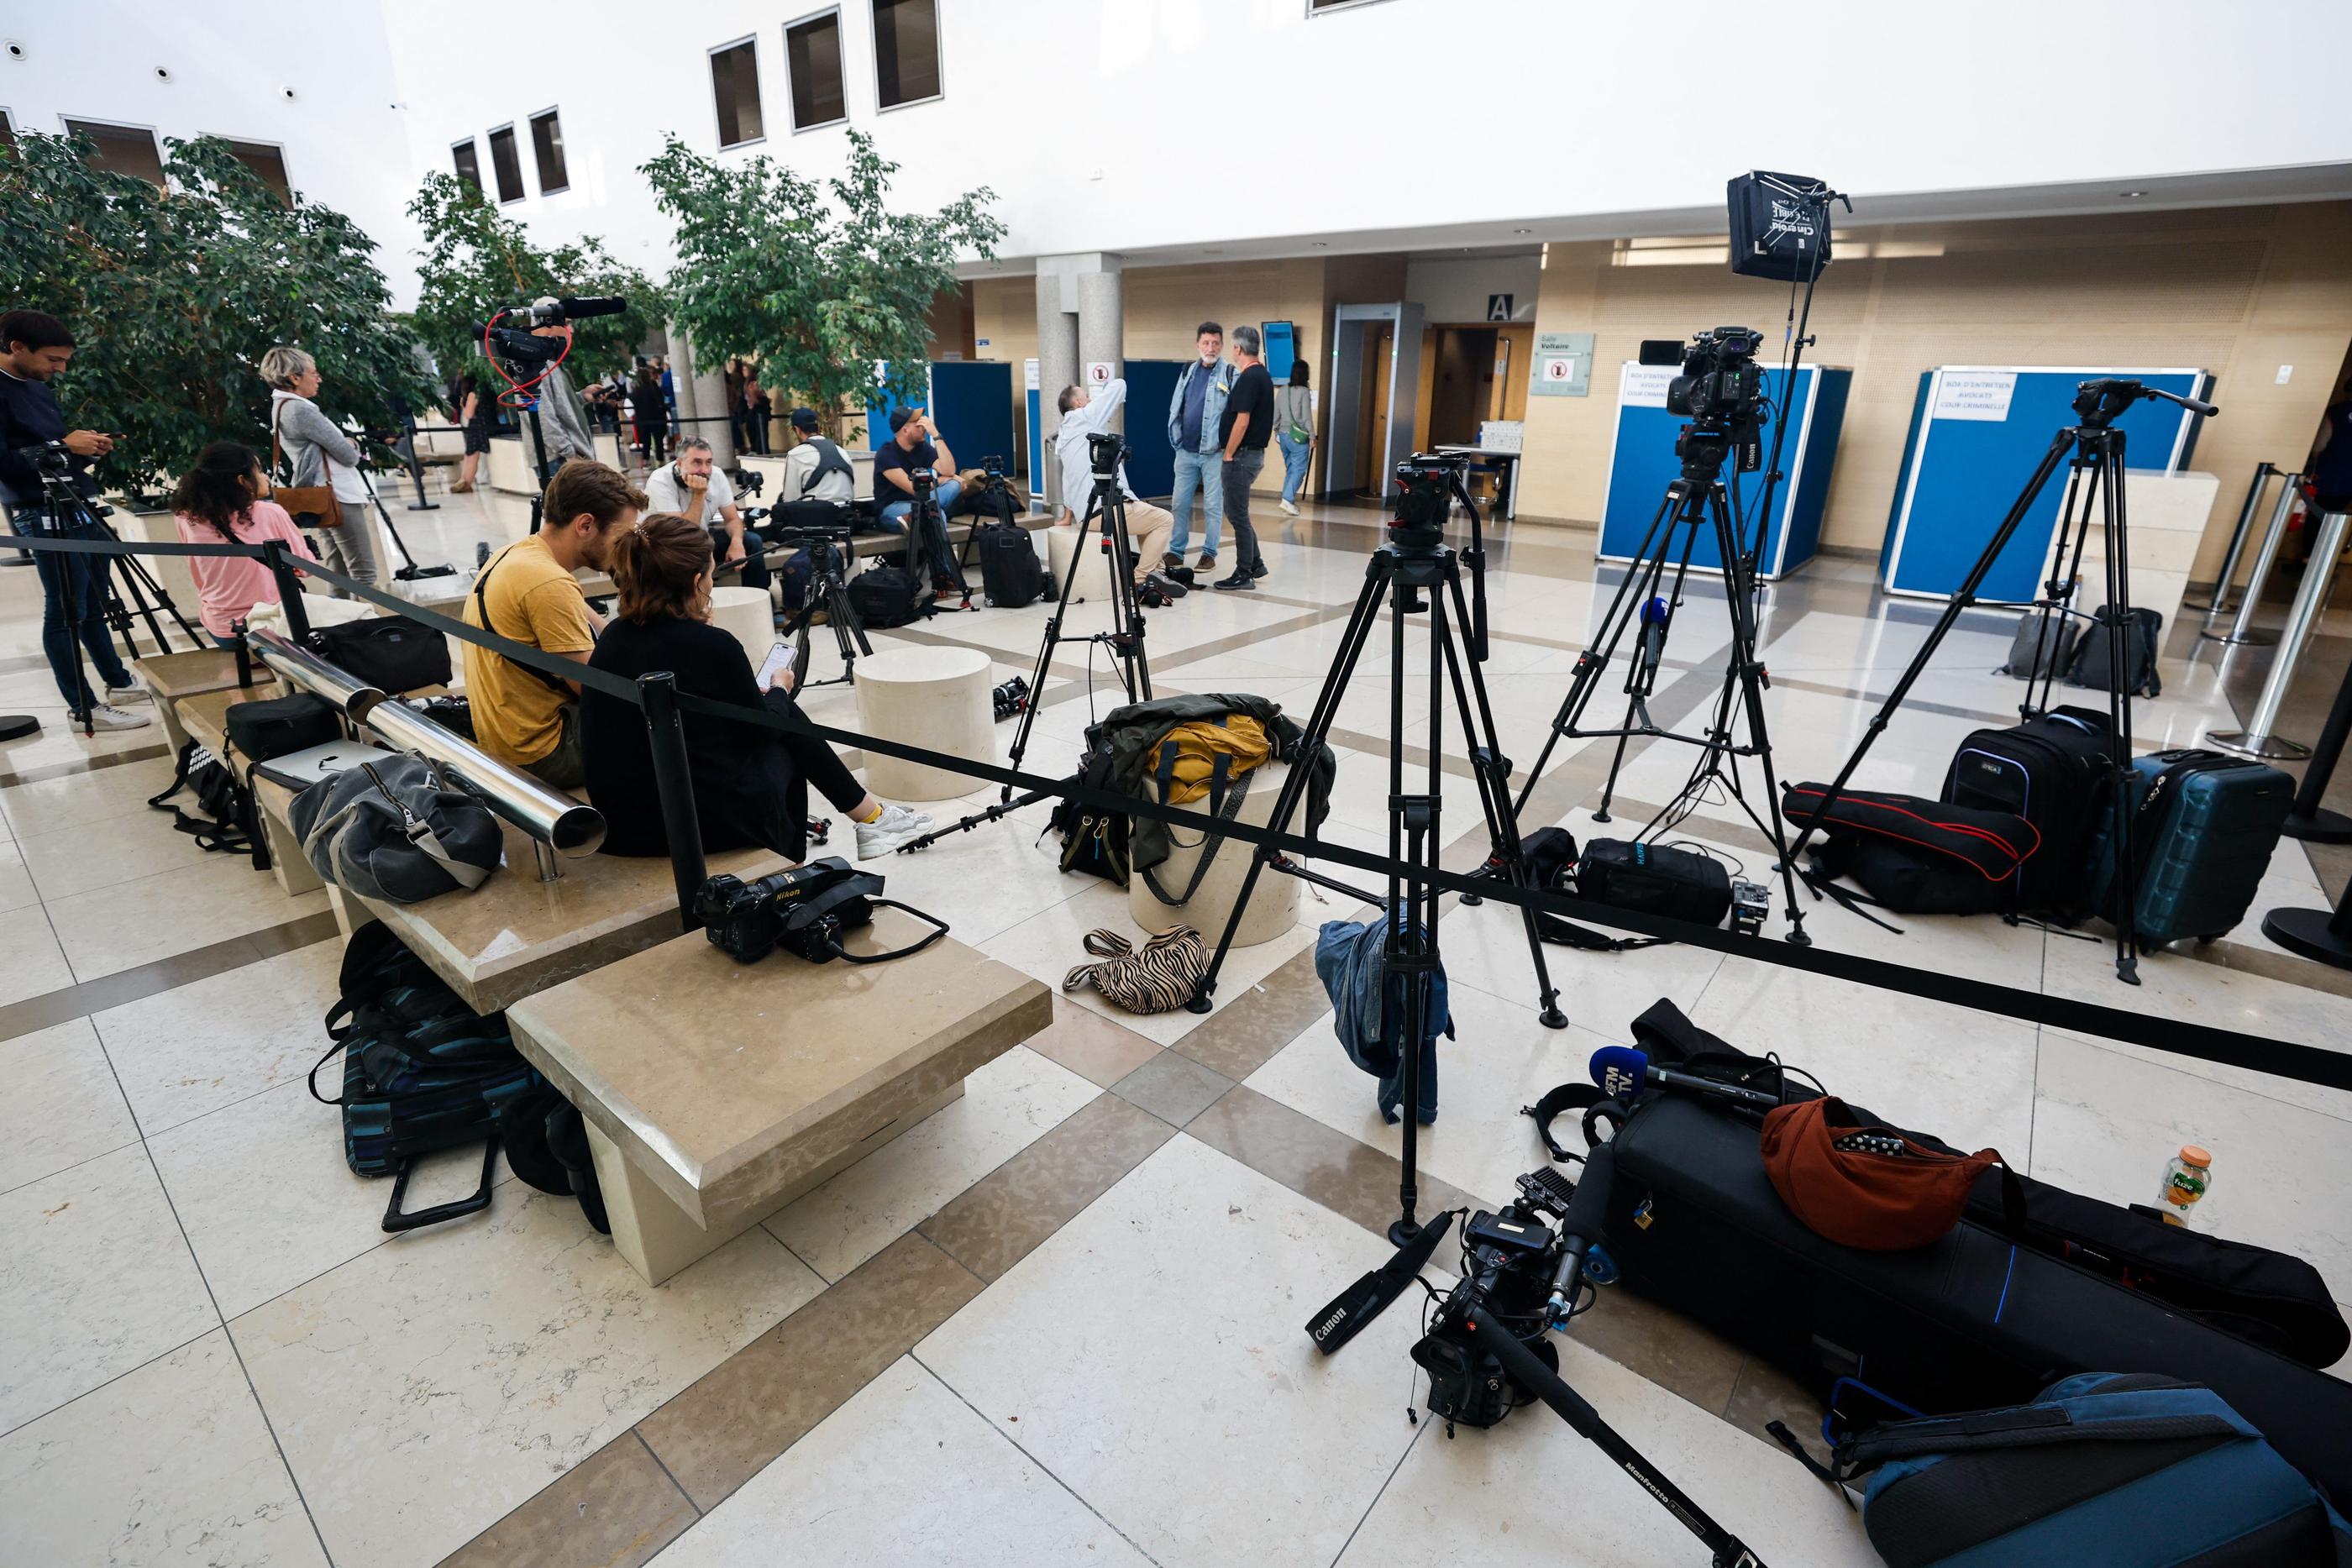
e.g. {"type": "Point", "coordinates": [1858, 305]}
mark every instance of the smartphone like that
{"type": "Point", "coordinates": [778, 660]}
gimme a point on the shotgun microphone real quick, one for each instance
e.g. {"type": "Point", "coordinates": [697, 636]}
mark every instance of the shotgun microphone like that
{"type": "Point", "coordinates": [576, 306]}
{"type": "Point", "coordinates": [1362, 1302]}
{"type": "Point", "coordinates": [1623, 1072]}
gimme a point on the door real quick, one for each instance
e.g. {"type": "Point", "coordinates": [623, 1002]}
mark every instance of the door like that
{"type": "Point", "coordinates": [1379, 357]}
{"type": "Point", "coordinates": [1374, 382]}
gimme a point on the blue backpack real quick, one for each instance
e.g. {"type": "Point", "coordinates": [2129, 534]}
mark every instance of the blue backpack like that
{"type": "Point", "coordinates": [2123, 1471]}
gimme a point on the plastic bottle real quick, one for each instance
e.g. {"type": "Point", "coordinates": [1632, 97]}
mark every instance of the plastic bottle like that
{"type": "Point", "coordinates": [2186, 1178]}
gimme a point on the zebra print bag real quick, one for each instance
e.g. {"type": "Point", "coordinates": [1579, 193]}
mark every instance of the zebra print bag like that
{"type": "Point", "coordinates": [1158, 979]}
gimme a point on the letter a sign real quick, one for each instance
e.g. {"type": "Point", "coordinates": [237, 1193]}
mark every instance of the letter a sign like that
{"type": "Point", "coordinates": [1498, 308]}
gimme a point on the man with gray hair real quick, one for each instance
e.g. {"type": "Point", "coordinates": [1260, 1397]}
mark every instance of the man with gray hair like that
{"type": "Point", "coordinates": [1086, 414]}
{"type": "Point", "coordinates": [1245, 426]}
{"type": "Point", "coordinates": [562, 417]}
{"type": "Point", "coordinates": [691, 487]}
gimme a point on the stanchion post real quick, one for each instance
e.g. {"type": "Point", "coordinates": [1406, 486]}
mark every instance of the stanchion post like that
{"type": "Point", "coordinates": [2241, 630]}
{"type": "Point", "coordinates": [289, 589]}
{"type": "Point", "coordinates": [2262, 472]}
{"type": "Point", "coordinates": [2308, 819]}
{"type": "Point", "coordinates": [2261, 737]}
{"type": "Point", "coordinates": [2323, 936]}
{"type": "Point", "coordinates": [417, 469]}
{"type": "Point", "coordinates": [675, 781]}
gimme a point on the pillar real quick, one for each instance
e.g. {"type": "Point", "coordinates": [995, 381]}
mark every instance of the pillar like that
{"type": "Point", "coordinates": [1102, 321]}
{"type": "Point", "coordinates": [1081, 319]}
{"type": "Point", "coordinates": [681, 374]}
{"type": "Point", "coordinates": [716, 416]}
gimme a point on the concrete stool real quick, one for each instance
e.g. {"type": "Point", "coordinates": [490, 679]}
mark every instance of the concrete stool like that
{"type": "Point", "coordinates": [746, 615]}
{"type": "Point", "coordinates": [1094, 572]}
{"type": "Point", "coordinates": [1273, 908]}
{"type": "Point", "coordinates": [933, 697]}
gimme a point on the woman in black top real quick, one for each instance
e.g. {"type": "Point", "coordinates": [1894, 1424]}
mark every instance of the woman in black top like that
{"type": "Point", "coordinates": [751, 783]}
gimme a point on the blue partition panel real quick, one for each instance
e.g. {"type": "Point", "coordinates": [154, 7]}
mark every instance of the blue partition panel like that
{"type": "Point", "coordinates": [1962, 471]}
{"type": "Point", "coordinates": [1150, 461]}
{"type": "Point", "coordinates": [1644, 464]}
{"type": "Point", "coordinates": [972, 401]}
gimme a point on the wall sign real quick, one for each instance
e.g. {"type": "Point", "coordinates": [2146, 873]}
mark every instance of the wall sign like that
{"type": "Point", "coordinates": [1975, 395]}
{"type": "Point", "coordinates": [1097, 372]}
{"type": "Point", "coordinates": [1029, 374]}
{"type": "Point", "coordinates": [1498, 307]}
{"type": "Point", "coordinates": [1644, 386]}
{"type": "Point", "coordinates": [1563, 364]}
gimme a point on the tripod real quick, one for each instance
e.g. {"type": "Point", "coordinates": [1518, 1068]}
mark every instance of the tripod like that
{"type": "Point", "coordinates": [1694, 500]}
{"type": "Point", "coordinates": [2092, 450]}
{"type": "Point", "coordinates": [67, 510]}
{"type": "Point", "coordinates": [411, 571]}
{"type": "Point", "coordinates": [1106, 512]}
{"type": "Point", "coordinates": [829, 591]}
{"type": "Point", "coordinates": [1414, 571]}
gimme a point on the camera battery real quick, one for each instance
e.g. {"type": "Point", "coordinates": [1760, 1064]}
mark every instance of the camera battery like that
{"type": "Point", "coordinates": [1507, 1231]}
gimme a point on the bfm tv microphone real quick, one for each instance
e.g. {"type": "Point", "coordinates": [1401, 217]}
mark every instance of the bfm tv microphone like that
{"type": "Point", "coordinates": [1362, 1302]}
{"type": "Point", "coordinates": [1623, 1072]}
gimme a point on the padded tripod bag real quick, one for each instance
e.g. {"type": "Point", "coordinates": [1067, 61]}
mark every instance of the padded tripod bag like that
{"type": "Point", "coordinates": [1990, 1312]}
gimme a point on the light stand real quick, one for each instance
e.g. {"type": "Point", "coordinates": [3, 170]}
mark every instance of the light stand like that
{"type": "Point", "coordinates": [1694, 499]}
{"type": "Point", "coordinates": [2093, 452]}
{"type": "Point", "coordinates": [411, 571]}
{"type": "Point", "coordinates": [1414, 571]}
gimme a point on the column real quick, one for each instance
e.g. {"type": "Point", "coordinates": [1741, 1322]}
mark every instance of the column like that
{"type": "Point", "coordinates": [1081, 320]}
{"type": "Point", "coordinates": [681, 375]}
{"type": "Point", "coordinates": [717, 422]}
{"type": "Point", "coordinates": [1102, 320]}
{"type": "Point", "coordinates": [1057, 367]}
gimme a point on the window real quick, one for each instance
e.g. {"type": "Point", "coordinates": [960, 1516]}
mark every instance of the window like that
{"type": "Point", "coordinates": [735, 83]}
{"type": "Point", "coordinates": [1315, 5]}
{"type": "Point", "coordinates": [907, 50]}
{"type": "Point", "coordinates": [469, 162]}
{"type": "Point", "coordinates": [812, 61]}
{"type": "Point", "coordinates": [7, 129]}
{"type": "Point", "coordinates": [268, 163]}
{"type": "Point", "coordinates": [504, 166]}
{"type": "Point", "coordinates": [122, 149]}
{"type": "Point", "coordinates": [547, 146]}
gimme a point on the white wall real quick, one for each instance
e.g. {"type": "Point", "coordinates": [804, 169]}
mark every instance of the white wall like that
{"type": "Point", "coordinates": [1448, 289]}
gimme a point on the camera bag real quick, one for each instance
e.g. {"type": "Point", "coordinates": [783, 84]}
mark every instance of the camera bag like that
{"type": "Point", "coordinates": [2039, 648]}
{"type": "Point", "coordinates": [1654, 879]}
{"type": "Point", "coordinates": [2125, 1469]}
{"type": "Point", "coordinates": [1912, 855]}
{"type": "Point", "coordinates": [547, 1146]}
{"type": "Point", "coordinates": [390, 652]}
{"type": "Point", "coordinates": [2093, 663]}
{"type": "Point", "coordinates": [886, 596]}
{"type": "Point", "coordinates": [2052, 770]}
{"type": "Point", "coordinates": [1011, 576]}
{"type": "Point", "coordinates": [1989, 1310]}
{"type": "Point", "coordinates": [278, 726]}
{"type": "Point", "coordinates": [1093, 841]}
{"type": "Point", "coordinates": [229, 824]}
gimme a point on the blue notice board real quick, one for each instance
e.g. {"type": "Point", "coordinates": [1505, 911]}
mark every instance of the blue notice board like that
{"type": "Point", "coordinates": [1977, 433]}
{"type": "Point", "coordinates": [1150, 461]}
{"type": "Point", "coordinates": [972, 404]}
{"type": "Point", "coordinates": [1643, 463]}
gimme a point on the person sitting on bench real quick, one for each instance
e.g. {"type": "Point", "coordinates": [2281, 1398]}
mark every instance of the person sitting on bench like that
{"type": "Point", "coordinates": [914, 444]}
{"type": "Point", "coordinates": [525, 718]}
{"type": "Point", "coordinates": [750, 782]}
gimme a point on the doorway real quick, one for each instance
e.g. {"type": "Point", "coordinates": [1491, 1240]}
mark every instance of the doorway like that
{"type": "Point", "coordinates": [1372, 390]}
{"type": "Point", "coordinates": [1462, 395]}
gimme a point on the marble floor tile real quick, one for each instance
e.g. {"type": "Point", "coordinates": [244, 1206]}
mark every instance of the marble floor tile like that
{"type": "Point", "coordinates": [170, 1465]}
{"type": "Point", "coordinates": [1099, 1050]}
{"type": "Point", "coordinates": [1961, 1075]}
{"type": "Point", "coordinates": [62, 1105]}
{"type": "Point", "coordinates": [1173, 1087]}
{"type": "Point", "coordinates": [1007, 1105]}
{"type": "Point", "coordinates": [16, 886]}
{"type": "Point", "coordinates": [32, 963]}
{"type": "Point", "coordinates": [185, 1052]}
{"type": "Point", "coordinates": [524, 1344]}
{"type": "Point", "coordinates": [1198, 1421]}
{"type": "Point", "coordinates": [188, 906]}
{"type": "Point", "coordinates": [857, 1490]}
{"type": "Point", "coordinates": [108, 853]}
{"type": "Point", "coordinates": [1317, 1162]}
{"type": "Point", "coordinates": [988, 880]}
{"type": "Point", "coordinates": [616, 1509]}
{"type": "Point", "coordinates": [95, 1279]}
{"type": "Point", "coordinates": [2105, 1124]}
{"type": "Point", "coordinates": [1001, 1219]}
{"type": "Point", "coordinates": [50, 804]}
{"type": "Point", "coordinates": [1539, 1495]}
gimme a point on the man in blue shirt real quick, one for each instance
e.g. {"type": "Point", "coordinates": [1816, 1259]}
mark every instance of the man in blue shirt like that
{"type": "Point", "coordinates": [1193, 413]}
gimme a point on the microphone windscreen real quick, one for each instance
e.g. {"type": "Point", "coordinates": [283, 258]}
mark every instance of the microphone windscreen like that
{"type": "Point", "coordinates": [593, 305]}
{"type": "Point", "coordinates": [1621, 1071]}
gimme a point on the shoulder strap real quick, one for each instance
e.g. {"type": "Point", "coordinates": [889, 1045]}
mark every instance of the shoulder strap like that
{"type": "Point", "coordinates": [939, 929]}
{"type": "Point", "coordinates": [276, 456]}
{"type": "Point", "coordinates": [482, 602]}
{"type": "Point", "coordinates": [1211, 840]}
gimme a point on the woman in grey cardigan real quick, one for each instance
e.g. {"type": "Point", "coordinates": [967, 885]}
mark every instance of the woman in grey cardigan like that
{"type": "Point", "coordinates": [319, 454]}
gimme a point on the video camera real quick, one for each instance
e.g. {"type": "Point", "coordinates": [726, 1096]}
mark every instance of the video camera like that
{"type": "Point", "coordinates": [1720, 392]}
{"type": "Point", "coordinates": [1428, 484]}
{"type": "Point", "coordinates": [509, 336]}
{"type": "Point", "coordinates": [1106, 450]}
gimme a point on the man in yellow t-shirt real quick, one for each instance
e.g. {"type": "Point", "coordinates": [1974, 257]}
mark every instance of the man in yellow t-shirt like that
{"type": "Point", "coordinates": [525, 718]}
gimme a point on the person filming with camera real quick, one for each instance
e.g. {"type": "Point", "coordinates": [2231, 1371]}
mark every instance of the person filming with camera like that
{"type": "Point", "coordinates": [1086, 414]}
{"type": "Point", "coordinates": [34, 431]}
{"type": "Point", "coordinates": [690, 484]}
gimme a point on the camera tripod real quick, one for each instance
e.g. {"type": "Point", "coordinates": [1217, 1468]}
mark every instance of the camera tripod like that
{"type": "Point", "coordinates": [1693, 500]}
{"type": "Point", "coordinates": [66, 511]}
{"type": "Point", "coordinates": [411, 571]}
{"type": "Point", "coordinates": [829, 591]}
{"type": "Point", "coordinates": [2092, 449]}
{"type": "Point", "coordinates": [1407, 576]}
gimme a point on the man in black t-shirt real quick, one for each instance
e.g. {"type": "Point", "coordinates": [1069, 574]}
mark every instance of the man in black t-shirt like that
{"type": "Point", "coordinates": [916, 443]}
{"type": "Point", "coordinates": [1245, 427]}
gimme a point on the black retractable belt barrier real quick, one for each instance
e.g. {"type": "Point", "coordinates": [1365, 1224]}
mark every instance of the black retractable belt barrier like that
{"type": "Point", "coordinates": [2279, 1058]}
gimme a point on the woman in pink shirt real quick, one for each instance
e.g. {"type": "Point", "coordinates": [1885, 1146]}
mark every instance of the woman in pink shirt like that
{"type": "Point", "coordinates": [219, 501]}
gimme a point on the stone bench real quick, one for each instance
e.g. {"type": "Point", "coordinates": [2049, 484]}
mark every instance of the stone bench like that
{"type": "Point", "coordinates": [716, 1093]}
{"type": "Point", "coordinates": [172, 677]}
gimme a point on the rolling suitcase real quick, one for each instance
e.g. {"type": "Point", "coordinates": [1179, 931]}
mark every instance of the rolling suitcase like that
{"type": "Point", "coordinates": [2204, 826]}
{"type": "Point", "coordinates": [2053, 771]}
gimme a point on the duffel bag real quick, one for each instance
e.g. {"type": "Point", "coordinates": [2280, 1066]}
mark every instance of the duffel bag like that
{"type": "Point", "coordinates": [395, 828]}
{"type": "Point", "coordinates": [1914, 855]}
{"type": "Point", "coordinates": [390, 652]}
{"type": "Point", "coordinates": [885, 596]}
{"type": "Point", "coordinates": [2122, 1469]}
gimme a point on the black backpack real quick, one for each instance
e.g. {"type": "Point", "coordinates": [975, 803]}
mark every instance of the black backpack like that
{"type": "Point", "coordinates": [886, 596]}
{"type": "Point", "coordinates": [2091, 660]}
{"type": "Point", "coordinates": [2039, 647]}
{"type": "Point", "coordinates": [2053, 771]}
{"type": "Point", "coordinates": [1011, 576]}
{"type": "Point", "coordinates": [228, 824]}
{"type": "Point", "coordinates": [422, 1071]}
{"type": "Point", "coordinates": [1093, 840]}
{"type": "Point", "coordinates": [547, 1146]}
{"type": "Point", "coordinates": [390, 652]}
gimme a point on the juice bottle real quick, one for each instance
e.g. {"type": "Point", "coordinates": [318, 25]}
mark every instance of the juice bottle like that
{"type": "Point", "coordinates": [2186, 1179]}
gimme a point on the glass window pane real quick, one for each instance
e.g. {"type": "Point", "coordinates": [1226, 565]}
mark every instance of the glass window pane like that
{"type": "Point", "coordinates": [265, 161]}
{"type": "Point", "coordinates": [505, 164]}
{"type": "Point", "coordinates": [469, 162]}
{"type": "Point", "coordinates": [123, 149]}
{"type": "Point", "coordinates": [547, 145]}
{"type": "Point", "coordinates": [907, 50]}
{"type": "Point", "coordinates": [812, 61]}
{"type": "Point", "coordinates": [735, 82]}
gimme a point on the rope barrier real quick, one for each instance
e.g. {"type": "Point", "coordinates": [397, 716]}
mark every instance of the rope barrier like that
{"type": "Point", "coordinates": [2278, 1058]}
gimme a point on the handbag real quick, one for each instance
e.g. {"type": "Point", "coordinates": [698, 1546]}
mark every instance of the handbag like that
{"type": "Point", "coordinates": [396, 830]}
{"type": "Point", "coordinates": [1865, 1184]}
{"type": "Point", "coordinates": [1159, 978]}
{"type": "Point", "coordinates": [311, 506]}
{"type": "Point", "coordinates": [390, 652]}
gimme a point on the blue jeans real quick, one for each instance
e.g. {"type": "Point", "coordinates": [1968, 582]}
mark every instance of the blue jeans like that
{"type": "Point", "coordinates": [1294, 466]}
{"type": "Point", "coordinates": [1204, 471]}
{"type": "Point", "coordinates": [892, 519]}
{"type": "Point", "coordinates": [82, 581]}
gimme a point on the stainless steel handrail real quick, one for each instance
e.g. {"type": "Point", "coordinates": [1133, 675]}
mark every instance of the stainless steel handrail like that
{"type": "Point", "coordinates": [305, 669]}
{"type": "Point", "coordinates": [570, 827]}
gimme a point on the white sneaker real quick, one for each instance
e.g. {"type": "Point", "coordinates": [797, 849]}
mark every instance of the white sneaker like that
{"type": "Point", "coordinates": [1286, 506]}
{"type": "Point", "coordinates": [134, 692]}
{"type": "Point", "coordinates": [887, 833]}
{"type": "Point", "coordinates": [104, 715]}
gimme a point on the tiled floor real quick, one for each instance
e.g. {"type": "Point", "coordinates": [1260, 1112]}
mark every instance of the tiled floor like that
{"type": "Point", "coordinates": [1058, 1322]}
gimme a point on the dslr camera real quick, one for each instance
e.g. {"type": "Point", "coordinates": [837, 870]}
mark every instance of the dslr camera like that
{"type": "Point", "coordinates": [1428, 484]}
{"type": "Point", "coordinates": [805, 910]}
{"type": "Point", "coordinates": [1720, 392]}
